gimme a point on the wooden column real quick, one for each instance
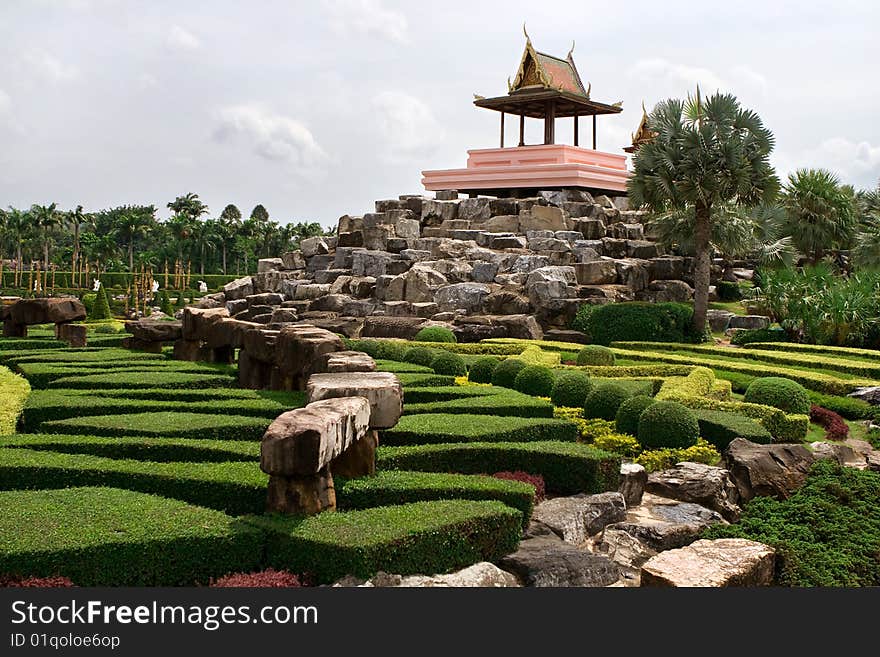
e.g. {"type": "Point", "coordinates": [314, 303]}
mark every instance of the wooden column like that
{"type": "Point", "coordinates": [550, 123]}
{"type": "Point", "coordinates": [502, 129]}
{"type": "Point", "coordinates": [522, 129]}
{"type": "Point", "coordinates": [594, 132]}
{"type": "Point", "coordinates": [575, 129]}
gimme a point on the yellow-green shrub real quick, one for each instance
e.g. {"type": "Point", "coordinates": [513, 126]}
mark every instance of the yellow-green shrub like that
{"type": "Point", "coordinates": [13, 391]}
{"type": "Point", "coordinates": [619, 443]}
{"type": "Point", "coordinates": [661, 459]}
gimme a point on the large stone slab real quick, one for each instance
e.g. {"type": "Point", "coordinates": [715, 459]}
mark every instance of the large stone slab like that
{"type": "Point", "coordinates": [46, 311]}
{"type": "Point", "coordinates": [716, 563]}
{"type": "Point", "coordinates": [664, 524]}
{"type": "Point", "coordinates": [382, 389]}
{"type": "Point", "coordinates": [576, 518]}
{"type": "Point", "coordinates": [544, 561]}
{"type": "Point", "coordinates": [148, 330]}
{"type": "Point", "coordinates": [702, 484]}
{"type": "Point", "coordinates": [771, 470]}
{"type": "Point", "coordinates": [239, 288]}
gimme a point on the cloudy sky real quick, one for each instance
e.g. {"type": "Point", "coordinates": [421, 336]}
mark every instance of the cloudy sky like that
{"type": "Point", "coordinates": [316, 108]}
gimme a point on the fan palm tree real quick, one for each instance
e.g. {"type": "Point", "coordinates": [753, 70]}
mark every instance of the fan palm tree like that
{"type": "Point", "coordinates": [707, 153]}
{"type": "Point", "coordinates": [820, 214]}
{"type": "Point", "coordinates": [46, 218]}
{"type": "Point", "coordinates": [189, 205]}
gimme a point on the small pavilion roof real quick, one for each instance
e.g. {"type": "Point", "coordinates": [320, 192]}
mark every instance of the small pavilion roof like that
{"type": "Point", "coordinates": [541, 78]}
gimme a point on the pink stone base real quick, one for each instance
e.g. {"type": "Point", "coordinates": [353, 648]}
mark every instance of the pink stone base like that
{"type": "Point", "coordinates": [533, 167]}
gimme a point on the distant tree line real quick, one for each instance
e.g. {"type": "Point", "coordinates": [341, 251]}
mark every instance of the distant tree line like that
{"type": "Point", "coordinates": [130, 238]}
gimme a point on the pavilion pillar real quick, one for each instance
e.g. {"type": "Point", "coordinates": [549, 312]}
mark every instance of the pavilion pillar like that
{"type": "Point", "coordinates": [576, 129]}
{"type": "Point", "coordinates": [594, 132]}
{"type": "Point", "coordinates": [550, 123]}
{"type": "Point", "coordinates": [522, 129]}
{"type": "Point", "coordinates": [502, 129]}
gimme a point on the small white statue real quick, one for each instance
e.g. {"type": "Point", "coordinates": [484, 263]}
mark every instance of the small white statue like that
{"type": "Point", "coordinates": [155, 286]}
{"type": "Point", "coordinates": [203, 287]}
{"type": "Point", "coordinates": [96, 285]}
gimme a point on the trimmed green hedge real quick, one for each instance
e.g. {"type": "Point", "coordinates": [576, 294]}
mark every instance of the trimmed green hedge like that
{"type": "Point", "coordinates": [826, 534]}
{"type": "Point", "coordinates": [696, 384]}
{"type": "Point", "coordinates": [721, 427]}
{"type": "Point", "coordinates": [781, 393]}
{"type": "Point", "coordinates": [848, 407]}
{"type": "Point", "coordinates": [170, 424]}
{"type": "Point", "coordinates": [291, 398]}
{"type": "Point", "coordinates": [45, 405]}
{"type": "Point", "coordinates": [423, 537]}
{"type": "Point", "coordinates": [419, 380]}
{"type": "Point", "coordinates": [419, 356]}
{"type": "Point", "coordinates": [389, 487]}
{"type": "Point", "coordinates": [638, 320]}
{"type": "Point", "coordinates": [567, 467]}
{"type": "Point", "coordinates": [97, 355]}
{"type": "Point", "coordinates": [110, 537]}
{"type": "Point", "coordinates": [20, 344]}
{"type": "Point", "coordinates": [14, 391]}
{"type": "Point", "coordinates": [480, 400]}
{"type": "Point", "coordinates": [145, 380]}
{"type": "Point", "coordinates": [42, 374]}
{"type": "Point", "coordinates": [667, 424]}
{"type": "Point", "coordinates": [138, 448]}
{"type": "Point", "coordinates": [836, 361]}
{"type": "Point", "coordinates": [846, 352]}
{"type": "Point", "coordinates": [235, 488]}
{"type": "Point", "coordinates": [813, 380]}
{"type": "Point", "coordinates": [434, 428]}
{"type": "Point", "coordinates": [783, 427]}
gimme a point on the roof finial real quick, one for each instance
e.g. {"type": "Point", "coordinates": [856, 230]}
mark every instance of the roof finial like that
{"type": "Point", "coordinates": [572, 49]}
{"type": "Point", "coordinates": [526, 33]}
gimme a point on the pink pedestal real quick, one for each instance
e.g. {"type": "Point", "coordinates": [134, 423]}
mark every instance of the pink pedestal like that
{"type": "Point", "coordinates": [533, 167]}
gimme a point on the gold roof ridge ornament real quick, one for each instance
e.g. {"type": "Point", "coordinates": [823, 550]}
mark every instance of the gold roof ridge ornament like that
{"type": "Point", "coordinates": [643, 133]}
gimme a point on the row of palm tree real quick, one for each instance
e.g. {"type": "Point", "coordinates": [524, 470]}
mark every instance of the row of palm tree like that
{"type": "Point", "coordinates": [131, 238]}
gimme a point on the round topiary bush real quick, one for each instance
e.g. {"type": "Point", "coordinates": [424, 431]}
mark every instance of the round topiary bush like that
{"type": "Point", "coordinates": [595, 354]}
{"type": "Point", "coordinates": [506, 371]}
{"type": "Point", "coordinates": [482, 369]}
{"type": "Point", "coordinates": [419, 356]}
{"type": "Point", "coordinates": [627, 418]}
{"type": "Point", "coordinates": [435, 334]}
{"type": "Point", "coordinates": [449, 363]}
{"type": "Point", "coordinates": [604, 401]}
{"type": "Point", "coordinates": [784, 394]}
{"type": "Point", "coordinates": [535, 380]}
{"type": "Point", "coordinates": [570, 389]}
{"type": "Point", "coordinates": [667, 424]}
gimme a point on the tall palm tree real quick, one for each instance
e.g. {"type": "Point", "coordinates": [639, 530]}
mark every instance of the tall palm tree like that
{"type": "Point", "coordinates": [130, 225]}
{"type": "Point", "coordinates": [76, 219]}
{"type": "Point", "coordinates": [820, 213]}
{"type": "Point", "coordinates": [46, 218]}
{"type": "Point", "coordinates": [707, 153]}
{"type": "Point", "coordinates": [181, 228]}
{"type": "Point", "coordinates": [189, 204]}
{"type": "Point", "coordinates": [205, 237]}
{"type": "Point", "coordinates": [227, 226]}
{"type": "Point", "coordinates": [19, 225]}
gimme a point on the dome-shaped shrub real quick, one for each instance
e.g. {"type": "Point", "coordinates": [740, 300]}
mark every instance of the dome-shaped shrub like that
{"type": "Point", "coordinates": [570, 389]}
{"type": "Point", "coordinates": [627, 418]}
{"type": "Point", "coordinates": [604, 401]}
{"type": "Point", "coordinates": [534, 380]}
{"type": "Point", "coordinates": [448, 363]}
{"type": "Point", "coordinates": [435, 334]}
{"type": "Point", "coordinates": [419, 356]}
{"type": "Point", "coordinates": [482, 368]}
{"type": "Point", "coordinates": [668, 424]}
{"type": "Point", "coordinates": [780, 393]}
{"type": "Point", "coordinates": [595, 354]}
{"type": "Point", "coordinates": [387, 350]}
{"type": "Point", "coordinates": [506, 371]}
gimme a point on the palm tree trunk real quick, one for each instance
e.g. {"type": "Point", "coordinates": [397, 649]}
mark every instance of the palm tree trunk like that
{"type": "Point", "coordinates": [18, 268]}
{"type": "Point", "coordinates": [131, 256]}
{"type": "Point", "coordinates": [46, 255]}
{"type": "Point", "coordinates": [75, 274]}
{"type": "Point", "coordinates": [224, 258]}
{"type": "Point", "coordinates": [702, 268]}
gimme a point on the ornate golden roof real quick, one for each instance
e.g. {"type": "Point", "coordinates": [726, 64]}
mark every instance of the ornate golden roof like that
{"type": "Point", "coordinates": [540, 70]}
{"type": "Point", "coordinates": [643, 133]}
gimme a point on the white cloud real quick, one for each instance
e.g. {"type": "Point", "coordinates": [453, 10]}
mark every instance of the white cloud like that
{"type": "Point", "coordinates": [271, 136]}
{"type": "Point", "coordinates": [148, 81]}
{"type": "Point", "coordinates": [368, 18]}
{"type": "Point", "coordinates": [667, 72]}
{"type": "Point", "coordinates": [46, 65]}
{"type": "Point", "coordinates": [182, 39]}
{"type": "Point", "coordinates": [857, 163]}
{"type": "Point", "coordinates": [5, 102]}
{"type": "Point", "coordinates": [406, 124]}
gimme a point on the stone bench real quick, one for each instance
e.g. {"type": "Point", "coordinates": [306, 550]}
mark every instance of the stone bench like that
{"type": "Point", "coordinates": [149, 334]}
{"type": "Point", "coordinates": [59, 311]}
{"type": "Point", "coordinates": [302, 448]}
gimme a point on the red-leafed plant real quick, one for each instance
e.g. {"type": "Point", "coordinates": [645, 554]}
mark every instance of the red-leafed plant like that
{"type": "Point", "coordinates": [268, 578]}
{"type": "Point", "coordinates": [835, 426]}
{"type": "Point", "coordinates": [17, 581]}
{"type": "Point", "coordinates": [535, 480]}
